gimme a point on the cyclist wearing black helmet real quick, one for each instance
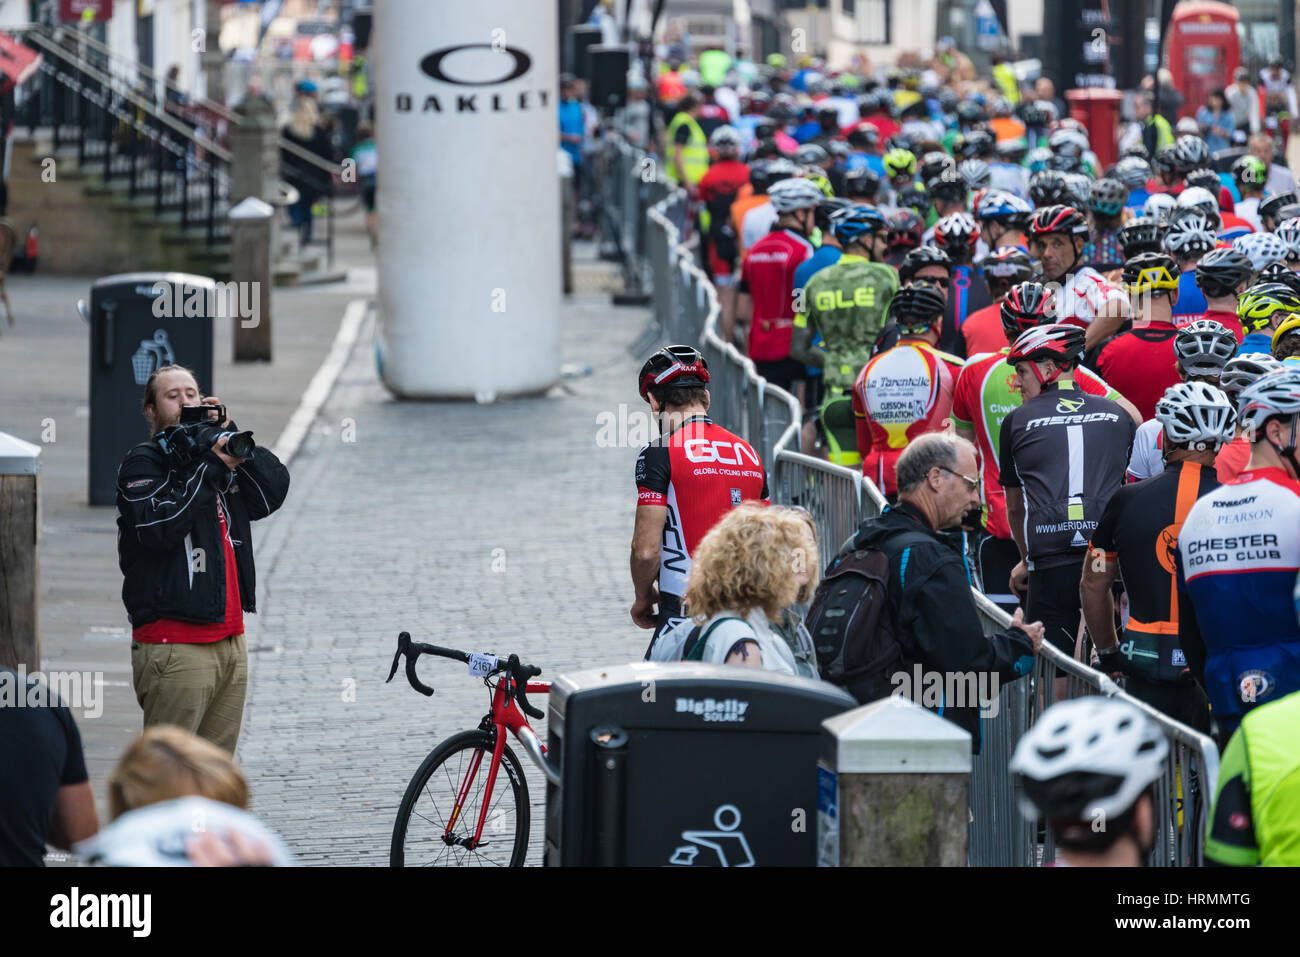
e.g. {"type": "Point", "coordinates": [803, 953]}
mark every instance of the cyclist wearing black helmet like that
{"type": "Point", "coordinates": [686, 480]}
{"type": "Point", "coordinates": [1223, 275]}
{"type": "Point", "coordinates": [1141, 235]}
{"type": "Point", "coordinates": [1063, 454]}
{"type": "Point", "coordinates": [905, 230]}
{"type": "Point", "coordinates": [1003, 268]}
{"type": "Point", "coordinates": [948, 193]}
{"type": "Point", "coordinates": [1140, 362]}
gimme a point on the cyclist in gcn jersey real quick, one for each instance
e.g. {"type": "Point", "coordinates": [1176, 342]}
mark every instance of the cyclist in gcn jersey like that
{"type": "Point", "coordinates": [1057, 235]}
{"type": "Point", "coordinates": [766, 290]}
{"type": "Point", "coordinates": [845, 304]}
{"type": "Point", "coordinates": [1201, 349]}
{"type": "Point", "coordinates": [985, 393]}
{"type": "Point", "coordinates": [686, 480]}
{"type": "Point", "coordinates": [1136, 539]}
{"type": "Point", "coordinates": [1238, 555]}
{"type": "Point", "coordinates": [1063, 457]}
{"type": "Point", "coordinates": [1140, 362]}
{"type": "Point", "coordinates": [905, 391]}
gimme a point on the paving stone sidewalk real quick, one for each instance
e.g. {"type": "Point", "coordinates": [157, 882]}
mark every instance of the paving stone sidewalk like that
{"type": "Point", "coordinates": [500, 528]}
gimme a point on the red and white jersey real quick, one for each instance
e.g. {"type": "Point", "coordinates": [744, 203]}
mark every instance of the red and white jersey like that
{"type": "Point", "coordinates": [698, 472]}
{"type": "Point", "coordinates": [1085, 296]}
{"type": "Point", "coordinates": [767, 274]}
{"type": "Point", "coordinates": [904, 392]}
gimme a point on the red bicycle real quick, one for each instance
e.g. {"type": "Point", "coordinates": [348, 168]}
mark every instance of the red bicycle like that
{"type": "Point", "coordinates": [453, 814]}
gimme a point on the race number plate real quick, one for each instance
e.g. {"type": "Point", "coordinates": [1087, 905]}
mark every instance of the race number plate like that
{"type": "Point", "coordinates": [480, 666]}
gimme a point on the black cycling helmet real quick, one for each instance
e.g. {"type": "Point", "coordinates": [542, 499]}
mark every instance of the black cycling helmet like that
{"type": "Point", "coordinates": [824, 210]}
{"type": "Point", "coordinates": [1138, 150]}
{"type": "Point", "coordinates": [673, 366]}
{"type": "Point", "coordinates": [864, 137]}
{"type": "Point", "coordinates": [1190, 152]}
{"type": "Point", "coordinates": [920, 257]}
{"type": "Point", "coordinates": [1005, 267]}
{"type": "Point", "coordinates": [1141, 235]}
{"type": "Point", "coordinates": [1270, 207]}
{"type": "Point", "coordinates": [977, 144]}
{"type": "Point", "coordinates": [862, 183]}
{"type": "Point", "coordinates": [1206, 179]}
{"type": "Point", "coordinates": [1221, 272]}
{"type": "Point", "coordinates": [1048, 187]}
{"type": "Point", "coordinates": [1279, 272]}
{"type": "Point", "coordinates": [1027, 304]}
{"type": "Point", "coordinates": [906, 227]}
{"type": "Point", "coordinates": [1107, 197]}
{"type": "Point", "coordinates": [934, 164]}
{"type": "Point", "coordinates": [913, 196]}
{"type": "Point", "coordinates": [949, 190]}
{"type": "Point", "coordinates": [916, 307]}
{"type": "Point", "coordinates": [1150, 273]}
{"type": "Point", "coordinates": [810, 154]}
{"type": "Point", "coordinates": [1165, 160]}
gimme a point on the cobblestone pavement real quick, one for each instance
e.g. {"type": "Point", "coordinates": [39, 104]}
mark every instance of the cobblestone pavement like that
{"type": "Point", "coordinates": [499, 528]}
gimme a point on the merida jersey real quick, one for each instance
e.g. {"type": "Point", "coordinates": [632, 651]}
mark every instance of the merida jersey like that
{"type": "Point", "coordinates": [698, 471]}
{"type": "Point", "coordinates": [984, 395]}
{"type": "Point", "coordinates": [1237, 560]}
{"type": "Point", "coordinates": [1067, 451]}
{"type": "Point", "coordinates": [846, 304]}
{"type": "Point", "coordinates": [767, 274]}
{"type": "Point", "coordinates": [904, 392]}
{"type": "Point", "coordinates": [1139, 530]}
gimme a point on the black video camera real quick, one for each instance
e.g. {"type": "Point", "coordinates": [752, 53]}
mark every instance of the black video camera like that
{"type": "Point", "coordinates": [197, 433]}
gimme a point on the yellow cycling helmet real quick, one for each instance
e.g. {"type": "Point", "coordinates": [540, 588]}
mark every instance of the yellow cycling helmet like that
{"type": "Point", "coordinates": [818, 178]}
{"type": "Point", "coordinates": [1291, 324]}
{"type": "Point", "coordinates": [1150, 272]}
{"type": "Point", "coordinates": [1257, 305]}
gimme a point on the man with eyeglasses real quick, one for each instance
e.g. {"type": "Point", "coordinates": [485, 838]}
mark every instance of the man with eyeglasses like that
{"type": "Point", "coordinates": [1063, 455]}
{"type": "Point", "coordinates": [935, 621]}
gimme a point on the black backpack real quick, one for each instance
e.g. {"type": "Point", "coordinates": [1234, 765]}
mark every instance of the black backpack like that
{"type": "Point", "coordinates": [852, 626]}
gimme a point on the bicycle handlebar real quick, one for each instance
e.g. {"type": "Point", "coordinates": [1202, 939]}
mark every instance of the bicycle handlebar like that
{"type": "Point", "coordinates": [519, 673]}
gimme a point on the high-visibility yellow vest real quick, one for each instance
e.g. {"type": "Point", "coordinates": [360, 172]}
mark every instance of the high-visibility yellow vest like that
{"type": "Point", "coordinates": [695, 154]}
{"type": "Point", "coordinates": [1005, 77]}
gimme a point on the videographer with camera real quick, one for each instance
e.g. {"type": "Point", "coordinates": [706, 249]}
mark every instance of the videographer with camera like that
{"type": "Point", "coordinates": [184, 502]}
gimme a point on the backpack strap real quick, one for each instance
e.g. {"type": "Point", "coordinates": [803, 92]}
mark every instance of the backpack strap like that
{"type": "Point", "coordinates": [695, 643]}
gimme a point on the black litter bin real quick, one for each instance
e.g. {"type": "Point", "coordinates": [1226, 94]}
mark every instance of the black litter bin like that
{"type": "Point", "coordinates": [685, 765]}
{"type": "Point", "coordinates": [140, 322]}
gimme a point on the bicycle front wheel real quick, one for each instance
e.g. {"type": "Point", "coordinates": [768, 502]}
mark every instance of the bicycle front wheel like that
{"type": "Point", "coordinates": [458, 770]}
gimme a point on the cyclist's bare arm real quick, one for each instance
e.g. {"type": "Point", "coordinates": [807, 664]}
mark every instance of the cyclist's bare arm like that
{"type": "Point", "coordinates": [647, 536]}
{"type": "Point", "coordinates": [1107, 323]}
{"type": "Point", "coordinates": [1095, 595]}
{"type": "Point", "coordinates": [801, 347]}
{"type": "Point", "coordinates": [744, 306]}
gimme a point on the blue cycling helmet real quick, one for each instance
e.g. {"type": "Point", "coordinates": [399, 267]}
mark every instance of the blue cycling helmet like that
{"type": "Point", "coordinates": [851, 224]}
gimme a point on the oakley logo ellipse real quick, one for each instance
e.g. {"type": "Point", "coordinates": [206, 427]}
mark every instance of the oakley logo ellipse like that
{"type": "Point", "coordinates": [432, 65]}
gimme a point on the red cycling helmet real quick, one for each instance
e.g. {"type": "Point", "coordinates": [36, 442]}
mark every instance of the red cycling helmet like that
{"type": "Point", "coordinates": [1027, 304]}
{"type": "Point", "coordinates": [1058, 219]}
{"type": "Point", "coordinates": [1059, 342]}
{"type": "Point", "coordinates": [673, 365]}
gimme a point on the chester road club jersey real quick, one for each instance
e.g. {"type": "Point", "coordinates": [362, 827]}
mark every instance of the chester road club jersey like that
{"type": "Point", "coordinates": [698, 472]}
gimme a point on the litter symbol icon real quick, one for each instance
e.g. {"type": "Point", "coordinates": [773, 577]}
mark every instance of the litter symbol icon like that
{"type": "Point", "coordinates": [152, 356]}
{"type": "Point", "coordinates": [725, 847]}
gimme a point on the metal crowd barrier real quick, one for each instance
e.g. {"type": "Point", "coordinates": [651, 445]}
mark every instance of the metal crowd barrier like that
{"type": "Point", "coordinates": [685, 309]}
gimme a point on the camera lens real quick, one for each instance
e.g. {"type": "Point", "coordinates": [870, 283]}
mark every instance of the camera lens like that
{"type": "Point", "coordinates": [240, 444]}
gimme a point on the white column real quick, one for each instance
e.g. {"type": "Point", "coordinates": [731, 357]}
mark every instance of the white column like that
{"type": "Point", "coordinates": [468, 199]}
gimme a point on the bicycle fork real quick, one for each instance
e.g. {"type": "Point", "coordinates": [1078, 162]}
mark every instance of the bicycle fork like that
{"type": "Point", "coordinates": [472, 843]}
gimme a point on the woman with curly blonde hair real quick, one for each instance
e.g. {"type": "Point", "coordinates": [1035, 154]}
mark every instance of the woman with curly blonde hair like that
{"type": "Point", "coordinates": [747, 571]}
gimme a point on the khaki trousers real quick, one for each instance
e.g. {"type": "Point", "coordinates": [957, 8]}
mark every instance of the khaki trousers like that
{"type": "Point", "coordinates": [200, 688]}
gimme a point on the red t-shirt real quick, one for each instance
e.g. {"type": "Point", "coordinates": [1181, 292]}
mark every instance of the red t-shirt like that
{"type": "Point", "coordinates": [982, 330]}
{"type": "Point", "coordinates": [1141, 364]}
{"type": "Point", "coordinates": [723, 180]}
{"type": "Point", "coordinates": [1232, 459]}
{"type": "Point", "coordinates": [767, 274]}
{"type": "Point", "coordinates": [166, 630]}
{"type": "Point", "coordinates": [1224, 318]}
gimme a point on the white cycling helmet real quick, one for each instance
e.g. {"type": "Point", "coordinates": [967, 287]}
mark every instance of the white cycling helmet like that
{"type": "Point", "coordinates": [1196, 414]}
{"type": "Point", "coordinates": [1289, 232]}
{"type": "Point", "coordinates": [1203, 346]}
{"type": "Point", "coordinates": [1158, 205]}
{"type": "Point", "coordinates": [1261, 249]}
{"type": "Point", "coordinates": [1189, 234]}
{"type": "Point", "coordinates": [1068, 142]}
{"type": "Point", "coordinates": [1276, 393]}
{"type": "Point", "coordinates": [1240, 371]}
{"type": "Point", "coordinates": [791, 195]}
{"type": "Point", "coordinates": [1088, 759]}
{"type": "Point", "coordinates": [1198, 197]}
{"type": "Point", "coordinates": [725, 137]}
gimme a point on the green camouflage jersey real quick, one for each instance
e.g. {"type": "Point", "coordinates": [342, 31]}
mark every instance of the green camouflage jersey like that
{"type": "Point", "coordinates": [846, 304]}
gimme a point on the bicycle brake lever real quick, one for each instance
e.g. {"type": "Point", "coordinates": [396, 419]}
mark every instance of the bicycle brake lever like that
{"type": "Point", "coordinates": [403, 644]}
{"type": "Point", "coordinates": [520, 675]}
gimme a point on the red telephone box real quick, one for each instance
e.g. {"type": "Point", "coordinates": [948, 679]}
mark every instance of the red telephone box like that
{"type": "Point", "coordinates": [1202, 50]}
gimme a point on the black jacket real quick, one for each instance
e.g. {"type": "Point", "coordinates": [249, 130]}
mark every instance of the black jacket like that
{"type": "Point", "coordinates": [935, 619]}
{"type": "Point", "coordinates": [163, 515]}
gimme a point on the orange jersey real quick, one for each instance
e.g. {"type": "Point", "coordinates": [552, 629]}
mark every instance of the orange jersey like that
{"type": "Point", "coordinates": [904, 392]}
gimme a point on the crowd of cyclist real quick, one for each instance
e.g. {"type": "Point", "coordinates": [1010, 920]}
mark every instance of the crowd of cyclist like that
{"type": "Point", "coordinates": [1121, 346]}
